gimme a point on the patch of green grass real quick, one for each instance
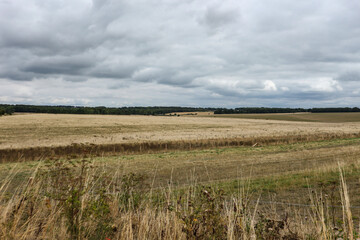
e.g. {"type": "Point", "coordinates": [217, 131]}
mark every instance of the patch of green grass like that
{"type": "Point", "coordinates": [245, 149]}
{"type": "Point", "coordinates": [206, 154]}
{"type": "Point", "coordinates": [288, 184]}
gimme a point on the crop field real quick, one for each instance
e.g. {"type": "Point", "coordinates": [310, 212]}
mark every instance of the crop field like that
{"type": "Point", "coordinates": [299, 117]}
{"type": "Point", "coordinates": [36, 130]}
{"type": "Point", "coordinates": [187, 177]}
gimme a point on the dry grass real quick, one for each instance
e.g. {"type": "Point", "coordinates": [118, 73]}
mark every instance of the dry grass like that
{"type": "Point", "coordinates": [82, 201]}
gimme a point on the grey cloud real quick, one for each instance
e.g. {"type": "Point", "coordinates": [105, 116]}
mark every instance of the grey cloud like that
{"type": "Point", "coordinates": [216, 17]}
{"type": "Point", "coordinates": [166, 77]}
{"type": "Point", "coordinates": [308, 95]}
{"type": "Point", "coordinates": [115, 71]}
{"type": "Point", "coordinates": [120, 85]}
{"type": "Point", "coordinates": [181, 78]}
{"type": "Point", "coordinates": [112, 74]}
{"type": "Point", "coordinates": [75, 78]}
{"type": "Point", "coordinates": [349, 77]}
{"type": "Point", "coordinates": [59, 65]}
{"type": "Point", "coordinates": [222, 50]}
{"type": "Point", "coordinates": [16, 75]}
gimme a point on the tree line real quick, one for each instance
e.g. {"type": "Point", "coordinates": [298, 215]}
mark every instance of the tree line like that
{"type": "Point", "coordinates": [282, 110]}
{"type": "Point", "coordinates": [9, 109]}
{"type": "Point", "coordinates": [258, 110]}
{"type": "Point", "coordinates": [6, 110]}
{"type": "Point", "coordinates": [103, 110]}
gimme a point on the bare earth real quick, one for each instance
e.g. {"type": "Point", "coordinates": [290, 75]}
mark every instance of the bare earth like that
{"type": "Point", "coordinates": [34, 130]}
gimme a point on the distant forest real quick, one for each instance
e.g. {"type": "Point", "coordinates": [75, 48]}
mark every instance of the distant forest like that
{"type": "Point", "coordinates": [100, 110]}
{"type": "Point", "coordinates": [283, 110]}
{"type": "Point", "coordinates": [6, 109]}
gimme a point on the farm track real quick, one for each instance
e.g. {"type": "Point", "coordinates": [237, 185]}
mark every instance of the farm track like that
{"type": "Point", "coordinates": [88, 150]}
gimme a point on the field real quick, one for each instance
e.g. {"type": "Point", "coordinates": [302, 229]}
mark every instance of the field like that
{"type": "Point", "coordinates": [299, 117]}
{"type": "Point", "coordinates": [47, 130]}
{"type": "Point", "coordinates": [187, 177]}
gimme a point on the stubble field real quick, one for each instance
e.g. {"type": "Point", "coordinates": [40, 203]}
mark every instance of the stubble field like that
{"type": "Point", "coordinates": [280, 168]}
{"type": "Point", "coordinates": [37, 130]}
{"type": "Point", "coordinates": [298, 117]}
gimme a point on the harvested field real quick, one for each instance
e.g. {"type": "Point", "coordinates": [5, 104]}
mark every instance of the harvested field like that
{"type": "Point", "coordinates": [277, 163]}
{"type": "Point", "coordinates": [38, 130]}
{"type": "Point", "coordinates": [35, 136]}
{"type": "Point", "coordinates": [299, 117]}
{"type": "Point", "coordinates": [86, 150]}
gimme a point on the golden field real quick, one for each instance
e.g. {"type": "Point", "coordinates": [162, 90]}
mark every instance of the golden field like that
{"type": "Point", "coordinates": [187, 177]}
{"type": "Point", "coordinates": [34, 130]}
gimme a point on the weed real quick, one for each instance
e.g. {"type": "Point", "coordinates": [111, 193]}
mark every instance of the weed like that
{"type": "Point", "coordinates": [202, 214]}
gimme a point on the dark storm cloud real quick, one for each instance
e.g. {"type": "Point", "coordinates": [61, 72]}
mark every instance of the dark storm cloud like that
{"type": "Point", "coordinates": [220, 52]}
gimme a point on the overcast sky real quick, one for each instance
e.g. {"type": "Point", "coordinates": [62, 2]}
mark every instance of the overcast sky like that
{"type": "Point", "coordinates": [224, 53]}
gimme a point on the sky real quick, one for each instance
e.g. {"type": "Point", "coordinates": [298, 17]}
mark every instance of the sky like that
{"type": "Point", "coordinates": [197, 53]}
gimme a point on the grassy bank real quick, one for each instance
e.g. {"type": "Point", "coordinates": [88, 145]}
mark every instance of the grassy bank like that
{"type": "Point", "coordinates": [76, 200]}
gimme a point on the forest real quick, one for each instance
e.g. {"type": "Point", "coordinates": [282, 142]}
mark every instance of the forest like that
{"type": "Point", "coordinates": [101, 110]}
{"type": "Point", "coordinates": [6, 109]}
{"type": "Point", "coordinates": [282, 110]}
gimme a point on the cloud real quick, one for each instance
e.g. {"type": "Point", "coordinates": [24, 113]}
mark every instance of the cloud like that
{"type": "Point", "coordinates": [325, 85]}
{"type": "Point", "coordinates": [217, 16]}
{"type": "Point", "coordinates": [189, 52]}
{"type": "Point", "coordinates": [269, 86]}
{"type": "Point", "coordinates": [349, 77]}
{"type": "Point", "coordinates": [148, 74]}
{"type": "Point", "coordinates": [58, 65]}
{"type": "Point", "coordinates": [69, 101]}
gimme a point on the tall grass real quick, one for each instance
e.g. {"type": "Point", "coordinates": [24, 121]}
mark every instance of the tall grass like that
{"type": "Point", "coordinates": [75, 200]}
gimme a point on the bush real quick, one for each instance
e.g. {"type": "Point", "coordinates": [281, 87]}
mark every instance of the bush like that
{"type": "Point", "coordinates": [6, 110]}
